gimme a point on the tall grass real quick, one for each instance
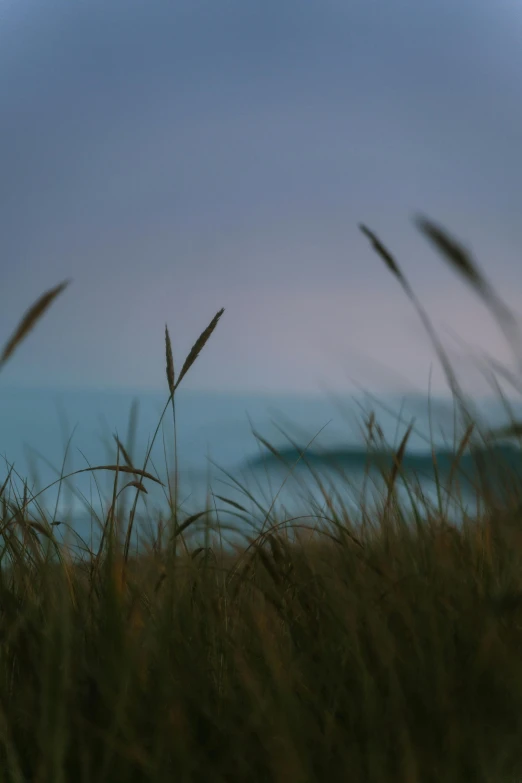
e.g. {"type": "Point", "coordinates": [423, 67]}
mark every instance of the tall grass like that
{"type": "Point", "coordinates": [324, 648]}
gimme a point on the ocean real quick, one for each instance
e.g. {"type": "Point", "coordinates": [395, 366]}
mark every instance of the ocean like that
{"type": "Point", "coordinates": [214, 438]}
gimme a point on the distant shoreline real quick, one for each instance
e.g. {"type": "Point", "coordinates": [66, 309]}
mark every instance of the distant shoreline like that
{"type": "Point", "coordinates": [359, 458]}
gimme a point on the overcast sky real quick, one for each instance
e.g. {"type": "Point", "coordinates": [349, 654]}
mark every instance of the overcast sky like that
{"type": "Point", "coordinates": [173, 157]}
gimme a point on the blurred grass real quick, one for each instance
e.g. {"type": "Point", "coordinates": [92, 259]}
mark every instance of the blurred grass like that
{"type": "Point", "coordinates": [318, 649]}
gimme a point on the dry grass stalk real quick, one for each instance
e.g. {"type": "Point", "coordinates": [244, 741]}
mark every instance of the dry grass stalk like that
{"type": "Point", "coordinates": [170, 362]}
{"type": "Point", "coordinates": [398, 457]}
{"type": "Point", "coordinates": [119, 469]}
{"type": "Point", "coordinates": [457, 256]}
{"type": "Point", "coordinates": [138, 486]}
{"type": "Point", "coordinates": [384, 253]}
{"type": "Point", "coordinates": [198, 346]}
{"type": "Point", "coordinates": [462, 262]}
{"type": "Point", "coordinates": [29, 320]}
{"type": "Point", "coordinates": [125, 454]}
{"type": "Point", "coordinates": [426, 322]}
{"type": "Point", "coordinates": [397, 462]}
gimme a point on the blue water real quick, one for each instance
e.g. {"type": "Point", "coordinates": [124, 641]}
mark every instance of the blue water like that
{"type": "Point", "coordinates": [212, 429]}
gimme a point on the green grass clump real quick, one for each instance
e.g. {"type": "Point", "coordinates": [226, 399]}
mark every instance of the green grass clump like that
{"type": "Point", "coordinates": [325, 648]}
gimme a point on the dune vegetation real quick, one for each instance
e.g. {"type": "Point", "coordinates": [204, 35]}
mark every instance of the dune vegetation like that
{"type": "Point", "coordinates": [322, 648]}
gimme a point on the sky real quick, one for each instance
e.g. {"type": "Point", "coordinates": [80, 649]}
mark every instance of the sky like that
{"type": "Point", "coordinates": [172, 157]}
